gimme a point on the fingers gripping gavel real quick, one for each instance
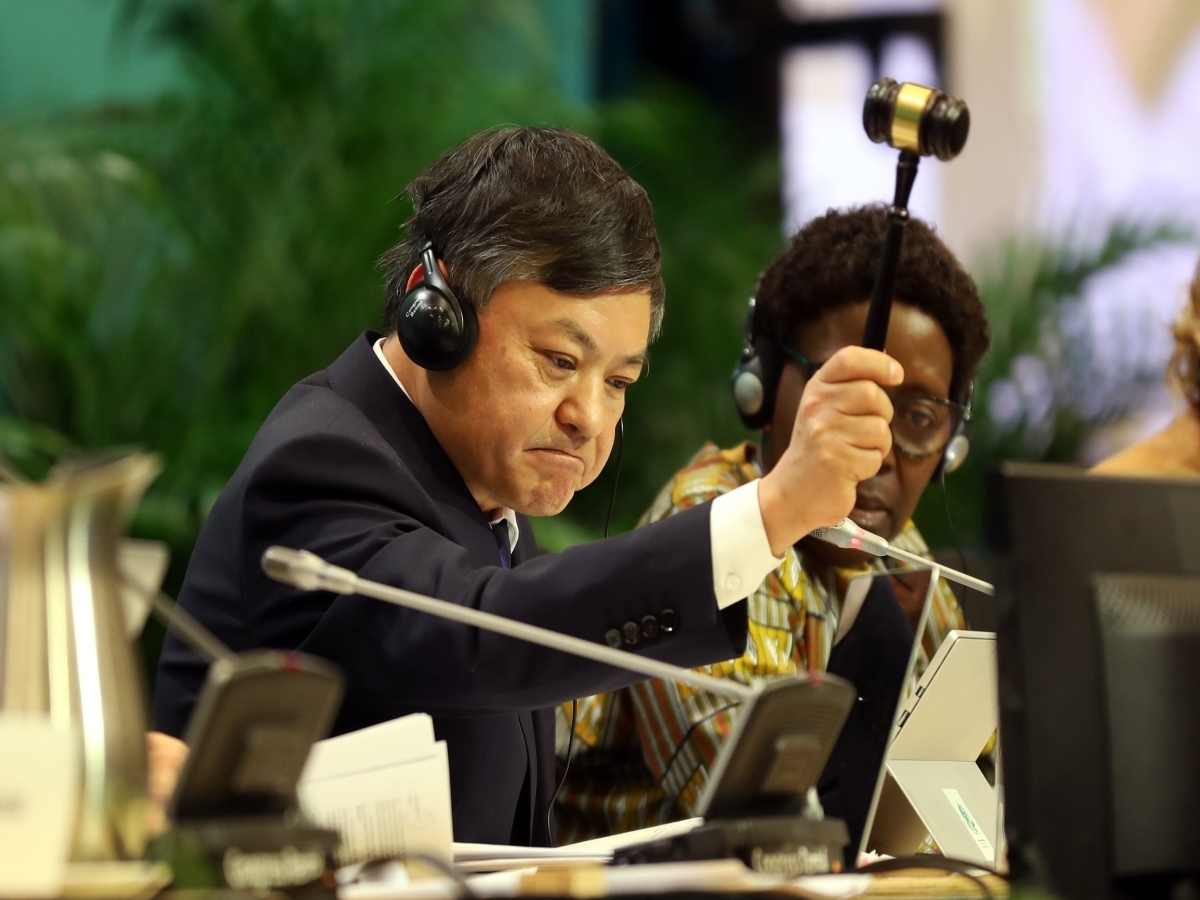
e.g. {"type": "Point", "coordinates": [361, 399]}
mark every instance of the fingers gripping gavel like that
{"type": "Point", "coordinates": [842, 433]}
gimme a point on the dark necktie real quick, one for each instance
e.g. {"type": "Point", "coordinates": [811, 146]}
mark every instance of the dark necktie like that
{"type": "Point", "coordinates": [500, 530]}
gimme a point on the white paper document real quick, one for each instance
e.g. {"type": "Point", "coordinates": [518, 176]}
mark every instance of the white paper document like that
{"type": "Point", "coordinates": [385, 789]}
{"type": "Point", "coordinates": [615, 842]}
{"type": "Point", "coordinates": [39, 792]}
{"type": "Point", "coordinates": [498, 857]}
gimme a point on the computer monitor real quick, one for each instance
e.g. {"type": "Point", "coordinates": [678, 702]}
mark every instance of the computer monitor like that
{"type": "Point", "coordinates": [1098, 591]}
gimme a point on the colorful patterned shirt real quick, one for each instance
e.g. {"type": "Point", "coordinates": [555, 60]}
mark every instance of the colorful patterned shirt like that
{"type": "Point", "coordinates": [641, 755]}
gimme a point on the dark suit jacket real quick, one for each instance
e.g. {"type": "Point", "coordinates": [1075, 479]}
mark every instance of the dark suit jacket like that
{"type": "Point", "coordinates": [345, 466]}
{"type": "Point", "coordinates": [873, 656]}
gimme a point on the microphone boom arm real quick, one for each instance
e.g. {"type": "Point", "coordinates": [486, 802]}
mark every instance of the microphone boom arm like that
{"type": "Point", "coordinates": [849, 536]}
{"type": "Point", "coordinates": [307, 571]}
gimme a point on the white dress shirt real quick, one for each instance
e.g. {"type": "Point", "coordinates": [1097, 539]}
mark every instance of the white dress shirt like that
{"type": "Point", "coordinates": [741, 553]}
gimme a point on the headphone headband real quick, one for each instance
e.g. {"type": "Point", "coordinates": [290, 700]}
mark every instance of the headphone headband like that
{"type": "Point", "coordinates": [430, 270]}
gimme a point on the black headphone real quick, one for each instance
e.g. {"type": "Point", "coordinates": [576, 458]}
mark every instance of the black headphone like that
{"type": "Point", "coordinates": [755, 383]}
{"type": "Point", "coordinates": [436, 330]}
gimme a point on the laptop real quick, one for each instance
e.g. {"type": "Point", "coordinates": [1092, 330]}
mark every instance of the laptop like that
{"type": "Point", "coordinates": [930, 785]}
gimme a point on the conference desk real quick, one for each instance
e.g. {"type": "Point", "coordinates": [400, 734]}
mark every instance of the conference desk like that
{"type": "Point", "coordinates": [701, 880]}
{"type": "Point", "coordinates": [899, 886]}
{"type": "Point", "coordinates": [909, 885]}
{"type": "Point", "coordinates": [717, 881]}
{"type": "Point", "coordinates": [915, 884]}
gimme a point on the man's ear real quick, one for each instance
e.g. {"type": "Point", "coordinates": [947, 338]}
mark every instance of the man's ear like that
{"type": "Point", "coordinates": [415, 277]}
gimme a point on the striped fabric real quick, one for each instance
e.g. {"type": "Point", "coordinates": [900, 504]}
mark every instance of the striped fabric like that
{"type": "Point", "coordinates": [641, 755]}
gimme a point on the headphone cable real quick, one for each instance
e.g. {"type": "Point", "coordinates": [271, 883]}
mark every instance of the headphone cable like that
{"type": "Point", "coordinates": [612, 499]}
{"type": "Point", "coordinates": [962, 557]}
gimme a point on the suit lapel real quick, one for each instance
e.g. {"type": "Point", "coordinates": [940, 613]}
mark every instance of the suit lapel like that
{"type": "Point", "coordinates": [359, 376]}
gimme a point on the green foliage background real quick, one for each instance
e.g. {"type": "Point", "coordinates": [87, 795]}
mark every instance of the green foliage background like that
{"type": "Point", "coordinates": [169, 268]}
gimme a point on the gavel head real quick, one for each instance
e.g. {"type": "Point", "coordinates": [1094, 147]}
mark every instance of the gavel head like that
{"type": "Point", "coordinates": [916, 118]}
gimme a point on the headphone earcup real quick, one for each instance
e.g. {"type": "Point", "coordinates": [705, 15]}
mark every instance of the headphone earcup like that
{"type": "Point", "coordinates": [955, 454]}
{"type": "Point", "coordinates": [436, 331]}
{"type": "Point", "coordinates": [748, 390]}
{"type": "Point", "coordinates": [956, 451]}
{"type": "Point", "coordinates": [755, 382]}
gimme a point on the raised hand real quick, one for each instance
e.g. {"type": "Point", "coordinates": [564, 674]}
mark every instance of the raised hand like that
{"type": "Point", "coordinates": [841, 435]}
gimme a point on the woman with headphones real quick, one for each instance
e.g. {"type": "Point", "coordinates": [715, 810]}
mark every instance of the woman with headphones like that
{"type": "Point", "coordinates": [644, 752]}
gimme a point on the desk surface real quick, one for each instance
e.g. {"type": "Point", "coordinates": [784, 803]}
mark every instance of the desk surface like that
{"type": "Point", "coordinates": [727, 882]}
{"type": "Point", "coordinates": [939, 885]}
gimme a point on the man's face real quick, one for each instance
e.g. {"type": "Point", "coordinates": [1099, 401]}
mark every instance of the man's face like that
{"type": "Point", "coordinates": [530, 417]}
{"type": "Point", "coordinates": [885, 502]}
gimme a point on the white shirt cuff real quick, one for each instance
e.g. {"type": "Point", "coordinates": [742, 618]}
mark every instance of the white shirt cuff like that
{"type": "Point", "coordinates": [741, 553]}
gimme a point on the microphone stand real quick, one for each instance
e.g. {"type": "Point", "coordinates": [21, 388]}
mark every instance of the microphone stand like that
{"type": "Point", "coordinates": [765, 770]}
{"type": "Point", "coordinates": [849, 536]}
{"type": "Point", "coordinates": [975, 584]}
{"type": "Point", "coordinates": [309, 572]}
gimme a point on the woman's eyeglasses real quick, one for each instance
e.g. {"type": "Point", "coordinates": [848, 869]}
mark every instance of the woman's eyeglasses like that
{"type": "Point", "coordinates": [922, 425]}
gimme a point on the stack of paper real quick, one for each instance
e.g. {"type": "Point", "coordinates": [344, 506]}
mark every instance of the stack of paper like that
{"type": "Point", "coordinates": [385, 789]}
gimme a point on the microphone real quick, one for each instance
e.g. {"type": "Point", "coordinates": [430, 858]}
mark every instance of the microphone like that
{"type": "Point", "coordinates": [175, 618]}
{"type": "Point", "coordinates": [849, 536]}
{"type": "Point", "coordinates": [772, 758]}
{"type": "Point", "coordinates": [307, 571]}
{"type": "Point", "coordinates": [291, 695]}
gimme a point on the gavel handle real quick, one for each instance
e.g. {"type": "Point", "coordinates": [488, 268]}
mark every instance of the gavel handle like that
{"type": "Point", "coordinates": [880, 311]}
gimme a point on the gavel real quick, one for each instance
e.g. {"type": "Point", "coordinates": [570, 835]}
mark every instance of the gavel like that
{"type": "Point", "coordinates": [918, 121]}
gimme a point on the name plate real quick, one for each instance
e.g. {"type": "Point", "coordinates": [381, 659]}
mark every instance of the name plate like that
{"type": "Point", "coordinates": [39, 793]}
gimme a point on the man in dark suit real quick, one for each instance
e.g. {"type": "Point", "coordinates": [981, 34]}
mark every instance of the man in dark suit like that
{"type": "Point", "coordinates": [415, 457]}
